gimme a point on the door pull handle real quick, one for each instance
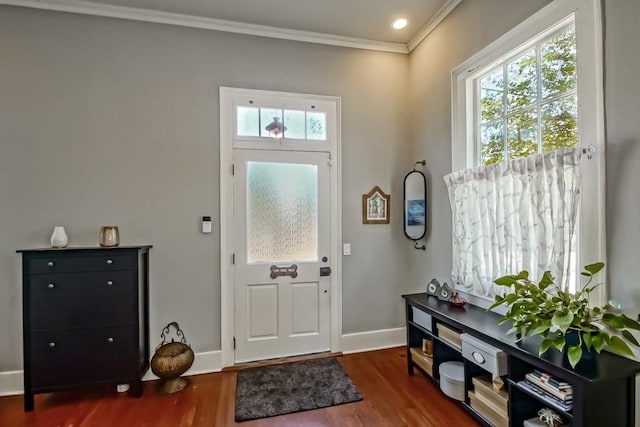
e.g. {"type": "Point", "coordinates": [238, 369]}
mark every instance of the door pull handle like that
{"type": "Point", "coordinates": [283, 271]}
{"type": "Point", "coordinates": [325, 271]}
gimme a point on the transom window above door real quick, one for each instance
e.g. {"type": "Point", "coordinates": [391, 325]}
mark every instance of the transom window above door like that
{"type": "Point", "coordinates": [275, 123]}
{"type": "Point", "coordinates": [262, 121]}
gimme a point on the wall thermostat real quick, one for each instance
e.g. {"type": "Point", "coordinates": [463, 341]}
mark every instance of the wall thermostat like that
{"type": "Point", "coordinates": [206, 224]}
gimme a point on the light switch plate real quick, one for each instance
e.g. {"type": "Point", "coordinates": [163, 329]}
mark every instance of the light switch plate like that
{"type": "Point", "coordinates": [206, 224]}
{"type": "Point", "coordinates": [346, 249]}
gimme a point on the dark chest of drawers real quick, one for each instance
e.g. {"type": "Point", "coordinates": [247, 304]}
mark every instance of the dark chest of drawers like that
{"type": "Point", "coordinates": [85, 318]}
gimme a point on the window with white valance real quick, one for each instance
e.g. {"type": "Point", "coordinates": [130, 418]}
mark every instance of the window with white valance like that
{"type": "Point", "coordinates": [524, 111]}
{"type": "Point", "coordinates": [512, 216]}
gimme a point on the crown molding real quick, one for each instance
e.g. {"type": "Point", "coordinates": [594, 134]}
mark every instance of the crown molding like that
{"type": "Point", "coordinates": [159, 17]}
{"type": "Point", "coordinates": [427, 28]}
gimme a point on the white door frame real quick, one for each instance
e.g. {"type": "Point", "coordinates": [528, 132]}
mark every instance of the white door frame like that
{"type": "Point", "coordinates": [227, 302]}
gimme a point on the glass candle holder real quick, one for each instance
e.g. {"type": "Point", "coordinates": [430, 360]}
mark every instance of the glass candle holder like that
{"type": "Point", "coordinates": [109, 236]}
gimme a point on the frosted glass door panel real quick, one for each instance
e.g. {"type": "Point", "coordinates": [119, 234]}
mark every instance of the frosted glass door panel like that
{"type": "Point", "coordinates": [282, 212]}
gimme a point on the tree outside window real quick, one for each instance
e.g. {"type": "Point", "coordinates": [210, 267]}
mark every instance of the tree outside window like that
{"type": "Point", "coordinates": [528, 105]}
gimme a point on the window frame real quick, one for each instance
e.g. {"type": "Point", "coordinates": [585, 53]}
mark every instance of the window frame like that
{"type": "Point", "coordinates": [587, 16]}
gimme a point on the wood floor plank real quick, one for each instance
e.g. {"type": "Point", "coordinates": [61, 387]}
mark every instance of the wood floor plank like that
{"type": "Point", "coordinates": [391, 398]}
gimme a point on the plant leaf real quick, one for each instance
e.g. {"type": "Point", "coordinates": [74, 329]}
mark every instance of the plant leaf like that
{"type": "Point", "coordinates": [559, 342]}
{"type": "Point", "coordinates": [540, 329]}
{"type": "Point", "coordinates": [613, 321]}
{"type": "Point", "coordinates": [505, 281]}
{"type": "Point", "coordinates": [630, 323]}
{"type": "Point", "coordinates": [574, 353]}
{"type": "Point", "coordinates": [546, 343]}
{"type": "Point", "coordinates": [594, 268]}
{"type": "Point", "coordinates": [562, 319]}
{"type": "Point", "coordinates": [546, 281]}
{"type": "Point", "coordinates": [495, 304]}
{"type": "Point", "coordinates": [598, 342]}
{"type": "Point", "coordinates": [586, 339]}
{"type": "Point", "coordinates": [619, 346]}
{"type": "Point", "coordinates": [629, 337]}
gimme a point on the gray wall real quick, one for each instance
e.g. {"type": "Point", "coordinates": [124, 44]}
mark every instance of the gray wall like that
{"type": "Point", "coordinates": [106, 121]}
{"type": "Point", "coordinates": [471, 27]}
{"type": "Point", "coordinates": [622, 104]}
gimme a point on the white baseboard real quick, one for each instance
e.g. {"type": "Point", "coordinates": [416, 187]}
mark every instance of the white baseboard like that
{"type": "Point", "coordinates": [11, 382]}
{"type": "Point", "coordinates": [373, 340]}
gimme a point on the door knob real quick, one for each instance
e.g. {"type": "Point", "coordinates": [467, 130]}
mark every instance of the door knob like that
{"type": "Point", "coordinates": [325, 271]}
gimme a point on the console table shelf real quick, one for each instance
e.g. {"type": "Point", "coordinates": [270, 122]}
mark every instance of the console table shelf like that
{"type": "Point", "coordinates": [603, 388]}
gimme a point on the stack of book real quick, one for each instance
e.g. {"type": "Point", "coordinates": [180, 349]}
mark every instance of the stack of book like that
{"type": "Point", "coordinates": [557, 393]}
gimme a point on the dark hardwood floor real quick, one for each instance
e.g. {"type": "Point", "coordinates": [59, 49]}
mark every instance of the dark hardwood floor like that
{"type": "Point", "coordinates": [391, 398]}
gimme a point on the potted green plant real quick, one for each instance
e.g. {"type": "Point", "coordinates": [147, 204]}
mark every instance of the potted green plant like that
{"type": "Point", "coordinates": [562, 318]}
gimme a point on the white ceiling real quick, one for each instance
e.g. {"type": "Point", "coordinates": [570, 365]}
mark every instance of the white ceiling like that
{"type": "Point", "coordinates": [355, 23]}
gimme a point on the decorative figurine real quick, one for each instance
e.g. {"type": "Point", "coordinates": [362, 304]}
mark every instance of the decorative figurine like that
{"type": "Point", "coordinates": [457, 301]}
{"type": "Point", "coordinates": [433, 288]}
{"type": "Point", "coordinates": [445, 292]}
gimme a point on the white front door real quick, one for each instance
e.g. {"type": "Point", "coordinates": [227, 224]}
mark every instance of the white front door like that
{"type": "Point", "coordinates": [281, 228]}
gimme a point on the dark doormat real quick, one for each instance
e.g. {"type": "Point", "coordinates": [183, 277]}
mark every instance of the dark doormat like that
{"type": "Point", "coordinates": [292, 387]}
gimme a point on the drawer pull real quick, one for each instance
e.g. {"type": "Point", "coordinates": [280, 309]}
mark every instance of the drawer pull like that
{"type": "Point", "coordinates": [52, 344]}
{"type": "Point", "coordinates": [50, 264]}
{"type": "Point", "coordinates": [51, 286]}
{"type": "Point", "coordinates": [109, 261]}
{"type": "Point", "coordinates": [109, 283]}
{"type": "Point", "coordinates": [478, 357]}
{"type": "Point", "coordinates": [110, 339]}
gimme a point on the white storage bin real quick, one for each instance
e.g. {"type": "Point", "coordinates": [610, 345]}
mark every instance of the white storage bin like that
{"type": "Point", "coordinates": [421, 318]}
{"type": "Point", "coordinates": [484, 355]}
{"type": "Point", "coordinates": [452, 379]}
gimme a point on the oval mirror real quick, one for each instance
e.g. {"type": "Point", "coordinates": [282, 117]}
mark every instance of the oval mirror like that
{"type": "Point", "coordinates": [415, 205]}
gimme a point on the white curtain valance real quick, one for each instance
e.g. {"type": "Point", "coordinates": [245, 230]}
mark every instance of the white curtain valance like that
{"type": "Point", "coordinates": [512, 216]}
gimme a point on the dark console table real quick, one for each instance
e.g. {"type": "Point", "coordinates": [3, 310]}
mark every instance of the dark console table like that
{"type": "Point", "coordinates": [603, 388]}
{"type": "Point", "coordinates": [85, 318]}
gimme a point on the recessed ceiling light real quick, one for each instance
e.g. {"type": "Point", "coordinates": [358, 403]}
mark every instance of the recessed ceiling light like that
{"type": "Point", "coordinates": [399, 24]}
